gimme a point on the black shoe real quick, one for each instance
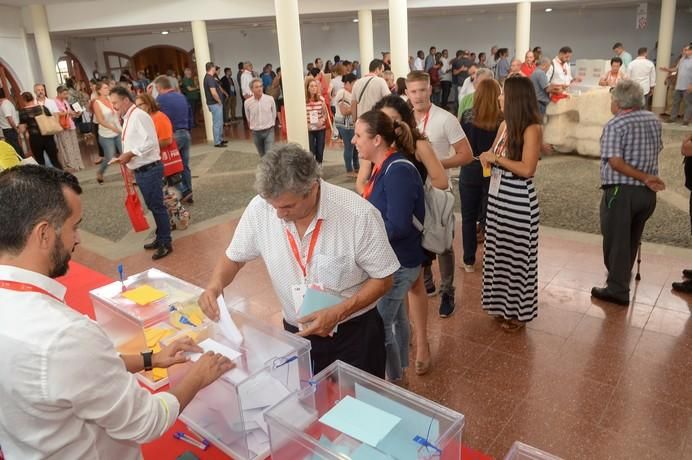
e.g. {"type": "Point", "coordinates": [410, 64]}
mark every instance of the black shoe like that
{"type": "Point", "coordinates": [187, 198]}
{"type": "Point", "coordinates": [224, 142]}
{"type": "Point", "coordinates": [150, 246]}
{"type": "Point", "coordinates": [221, 145]}
{"type": "Point", "coordinates": [446, 305]}
{"type": "Point", "coordinates": [687, 273]}
{"type": "Point", "coordinates": [430, 289]}
{"type": "Point", "coordinates": [162, 251]}
{"type": "Point", "coordinates": [683, 286]}
{"type": "Point", "coordinates": [603, 294]}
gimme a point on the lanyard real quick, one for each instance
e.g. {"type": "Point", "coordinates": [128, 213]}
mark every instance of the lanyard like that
{"type": "Point", "coordinates": [126, 119]}
{"type": "Point", "coordinates": [311, 249]}
{"type": "Point", "coordinates": [425, 121]}
{"type": "Point", "coordinates": [371, 183]}
{"type": "Point", "coordinates": [25, 287]}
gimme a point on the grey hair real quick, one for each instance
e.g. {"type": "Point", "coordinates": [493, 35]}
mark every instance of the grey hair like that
{"type": "Point", "coordinates": [286, 168]}
{"type": "Point", "coordinates": [544, 61]}
{"type": "Point", "coordinates": [254, 80]}
{"type": "Point", "coordinates": [484, 72]}
{"type": "Point", "coordinates": [628, 94]}
{"type": "Point", "coordinates": [163, 81]}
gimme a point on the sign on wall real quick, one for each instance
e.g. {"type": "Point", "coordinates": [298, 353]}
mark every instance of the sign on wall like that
{"type": "Point", "coordinates": [642, 17]}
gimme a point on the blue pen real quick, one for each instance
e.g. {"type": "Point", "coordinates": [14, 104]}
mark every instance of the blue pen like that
{"type": "Point", "coordinates": [183, 437]}
{"type": "Point", "coordinates": [121, 273]}
{"type": "Point", "coordinates": [183, 319]}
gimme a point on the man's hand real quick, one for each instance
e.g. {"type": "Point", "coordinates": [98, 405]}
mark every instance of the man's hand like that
{"type": "Point", "coordinates": [175, 353]}
{"type": "Point", "coordinates": [654, 183]}
{"type": "Point", "coordinates": [122, 159]}
{"type": "Point", "coordinates": [321, 323]}
{"type": "Point", "coordinates": [207, 301]}
{"type": "Point", "coordinates": [209, 367]}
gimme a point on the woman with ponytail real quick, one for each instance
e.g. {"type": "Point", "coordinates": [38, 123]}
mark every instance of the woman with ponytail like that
{"type": "Point", "coordinates": [395, 188]}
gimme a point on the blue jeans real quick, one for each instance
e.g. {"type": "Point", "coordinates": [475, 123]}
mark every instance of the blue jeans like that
{"type": "Point", "coordinates": [263, 139]}
{"type": "Point", "coordinates": [350, 157]}
{"type": "Point", "coordinates": [183, 139]}
{"type": "Point", "coordinates": [474, 201]}
{"type": "Point", "coordinates": [112, 146]}
{"type": "Point", "coordinates": [217, 119]}
{"type": "Point", "coordinates": [392, 309]}
{"type": "Point", "coordinates": [150, 183]}
{"type": "Point", "coordinates": [316, 140]}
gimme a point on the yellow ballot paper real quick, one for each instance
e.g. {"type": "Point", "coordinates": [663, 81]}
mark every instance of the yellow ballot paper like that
{"type": "Point", "coordinates": [144, 295]}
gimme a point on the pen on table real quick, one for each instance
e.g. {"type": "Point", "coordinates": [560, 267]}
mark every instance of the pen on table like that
{"type": "Point", "coordinates": [121, 273]}
{"type": "Point", "coordinates": [199, 436]}
{"type": "Point", "coordinates": [183, 437]}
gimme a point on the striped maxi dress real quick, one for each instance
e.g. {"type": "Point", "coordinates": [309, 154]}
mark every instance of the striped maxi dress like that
{"type": "Point", "coordinates": [510, 260]}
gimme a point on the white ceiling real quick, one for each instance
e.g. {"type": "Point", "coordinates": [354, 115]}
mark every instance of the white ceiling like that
{"type": "Point", "coordinates": [19, 3]}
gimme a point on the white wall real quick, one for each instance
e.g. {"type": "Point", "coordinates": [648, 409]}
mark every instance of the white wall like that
{"type": "Point", "coordinates": [13, 46]}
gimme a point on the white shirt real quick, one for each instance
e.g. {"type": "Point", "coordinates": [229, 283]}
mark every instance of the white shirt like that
{"type": "Point", "coordinates": [444, 75]}
{"type": "Point", "coordinates": [336, 85]}
{"type": "Point", "coordinates": [7, 109]}
{"type": "Point", "coordinates": [368, 94]}
{"type": "Point", "coordinates": [352, 246]}
{"type": "Point", "coordinates": [643, 72]}
{"type": "Point", "coordinates": [139, 137]}
{"type": "Point", "coordinates": [561, 73]}
{"type": "Point", "coordinates": [65, 392]}
{"type": "Point", "coordinates": [467, 88]}
{"type": "Point", "coordinates": [260, 114]}
{"type": "Point", "coordinates": [50, 105]}
{"type": "Point", "coordinates": [418, 64]}
{"type": "Point", "coordinates": [442, 130]}
{"type": "Point", "coordinates": [245, 78]}
{"type": "Point", "coordinates": [111, 117]}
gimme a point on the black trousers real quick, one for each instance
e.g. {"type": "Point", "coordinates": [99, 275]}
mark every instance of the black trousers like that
{"type": "Point", "coordinates": [624, 212]}
{"type": "Point", "coordinates": [358, 342]}
{"type": "Point", "coordinates": [474, 202]}
{"type": "Point", "coordinates": [446, 89]}
{"type": "Point", "coordinates": [12, 138]}
{"type": "Point", "coordinates": [40, 144]}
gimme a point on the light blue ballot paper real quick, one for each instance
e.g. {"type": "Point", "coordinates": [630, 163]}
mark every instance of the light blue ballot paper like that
{"type": "Point", "coordinates": [360, 421]}
{"type": "Point", "coordinates": [399, 441]}
{"type": "Point", "coordinates": [316, 300]}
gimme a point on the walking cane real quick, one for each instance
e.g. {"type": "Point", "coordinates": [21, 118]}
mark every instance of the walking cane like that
{"type": "Point", "coordinates": [638, 277]}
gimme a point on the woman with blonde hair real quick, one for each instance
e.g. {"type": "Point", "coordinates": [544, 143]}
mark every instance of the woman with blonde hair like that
{"type": "Point", "coordinates": [109, 128]}
{"type": "Point", "coordinates": [317, 117]}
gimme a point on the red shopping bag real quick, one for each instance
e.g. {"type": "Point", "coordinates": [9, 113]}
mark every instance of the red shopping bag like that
{"type": "Point", "coordinates": [132, 204]}
{"type": "Point", "coordinates": [171, 159]}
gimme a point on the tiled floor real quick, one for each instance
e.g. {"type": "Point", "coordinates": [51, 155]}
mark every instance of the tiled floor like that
{"type": "Point", "coordinates": [583, 380]}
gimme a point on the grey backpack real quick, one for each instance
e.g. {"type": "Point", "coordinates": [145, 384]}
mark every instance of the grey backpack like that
{"type": "Point", "coordinates": [438, 225]}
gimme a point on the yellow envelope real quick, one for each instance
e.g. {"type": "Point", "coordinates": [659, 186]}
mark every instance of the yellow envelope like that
{"type": "Point", "coordinates": [144, 295]}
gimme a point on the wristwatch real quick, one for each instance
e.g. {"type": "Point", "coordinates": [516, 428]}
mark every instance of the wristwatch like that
{"type": "Point", "coordinates": [147, 357]}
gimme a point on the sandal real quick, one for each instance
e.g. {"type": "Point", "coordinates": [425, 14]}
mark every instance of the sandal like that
{"type": "Point", "coordinates": [423, 367]}
{"type": "Point", "coordinates": [513, 325]}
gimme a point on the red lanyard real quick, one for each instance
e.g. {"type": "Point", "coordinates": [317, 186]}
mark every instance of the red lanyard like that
{"type": "Point", "coordinates": [371, 183]}
{"type": "Point", "coordinates": [126, 119]}
{"type": "Point", "coordinates": [311, 249]}
{"type": "Point", "coordinates": [425, 121]}
{"type": "Point", "coordinates": [25, 287]}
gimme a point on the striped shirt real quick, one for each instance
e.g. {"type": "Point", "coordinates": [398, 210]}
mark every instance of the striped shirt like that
{"type": "Point", "coordinates": [316, 115]}
{"type": "Point", "coordinates": [636, 138]}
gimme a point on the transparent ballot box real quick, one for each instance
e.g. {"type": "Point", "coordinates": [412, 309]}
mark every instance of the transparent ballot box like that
{"type": "Point", "coordinates": [230, 412]}
{"type": "Point", "coordinates": [347, 413]}
{"type": "Point", "coordinates": [521, 451]}
{"type": "Point", "coordinates": [145, 309]}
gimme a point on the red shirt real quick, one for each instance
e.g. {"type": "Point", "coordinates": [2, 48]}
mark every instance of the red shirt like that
{"type": "Point", "coordinates": [527, 69]}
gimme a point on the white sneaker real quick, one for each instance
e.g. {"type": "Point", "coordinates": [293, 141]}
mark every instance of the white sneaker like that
{"type": "Point", "coordinates": [469, 268]}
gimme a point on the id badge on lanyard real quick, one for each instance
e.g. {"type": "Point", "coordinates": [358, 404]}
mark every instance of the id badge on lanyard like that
{"type": "Point", "coordinates": [298, 290]}
{"type": "Point", "coordinates": [495, 179]}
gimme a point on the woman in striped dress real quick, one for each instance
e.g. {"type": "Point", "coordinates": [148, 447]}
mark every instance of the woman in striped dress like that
{"type": "Point", "coordinates": [510, 261]}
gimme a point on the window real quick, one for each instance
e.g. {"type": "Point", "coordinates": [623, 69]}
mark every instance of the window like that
{"type": "Point", "coordinates": [63, 70]}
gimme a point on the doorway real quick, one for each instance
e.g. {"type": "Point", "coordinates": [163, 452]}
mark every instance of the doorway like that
{"type": "Point", "coordinates": [159, 59]}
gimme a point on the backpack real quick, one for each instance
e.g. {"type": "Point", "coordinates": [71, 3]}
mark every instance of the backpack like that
{"type": "Point", "coordinates": [438, 225]}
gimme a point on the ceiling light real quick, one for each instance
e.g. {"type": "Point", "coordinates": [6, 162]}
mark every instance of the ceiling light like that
{"type": "Point", "coordinates": [355, 20]}
{"type": "Point", "coordinates": [164, 32]}
{"type": "Point", "coordinates": [548, 10]}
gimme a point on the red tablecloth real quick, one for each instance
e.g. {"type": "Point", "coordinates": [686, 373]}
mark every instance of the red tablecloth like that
{"type": "Point", "coordinates": [79, 281]}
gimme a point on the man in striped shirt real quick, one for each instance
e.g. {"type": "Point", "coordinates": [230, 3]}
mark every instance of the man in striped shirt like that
{"type": "Point", "coordinates": [630, 145]}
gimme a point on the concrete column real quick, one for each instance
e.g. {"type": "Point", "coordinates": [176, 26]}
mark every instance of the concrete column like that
{"type": "Point", "coordinates": [365, 37]}
{"type": "Point", "coordinates": [291, 58]}
{"type": "Point", "coordinates": [665, 44]}
{"type": "Point", "coordinates": [398, 37]}
{"type": "Point", "coordinates": [45, 49]}
{"type": "Point", "coordinates": [522, 40]}
{"type": "Point", "coordinates": [201, 43]}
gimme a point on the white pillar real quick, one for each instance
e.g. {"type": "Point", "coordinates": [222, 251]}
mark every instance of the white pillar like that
{"type": "Point", "coordinates": [398, 37]}
{"type": "Point", "coordinates": [365, 38]}
{"type": "Point", "coordinates": [291, 58]}
{"type": "Point", "coordinates": [201, 43]}
{"type": "Point", "coordinates": [44, 48]}
{"type": "Point", "coordinates": [665, 44]}
{"type": "Point", "coordinates": [522, 40]}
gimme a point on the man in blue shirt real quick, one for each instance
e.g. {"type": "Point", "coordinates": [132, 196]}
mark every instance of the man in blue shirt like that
{"type": "Point", "coordinates": [176, 108]}
{"type": "Point", "coordinates": [541, 84]}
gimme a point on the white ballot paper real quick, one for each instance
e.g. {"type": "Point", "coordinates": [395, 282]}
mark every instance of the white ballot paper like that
{"type": "Point", "coordinates": [216, 347]}
{"type": "Point", "coordinates": [228, 327]}
{"type": "Point", "coordinates": [77, 107]}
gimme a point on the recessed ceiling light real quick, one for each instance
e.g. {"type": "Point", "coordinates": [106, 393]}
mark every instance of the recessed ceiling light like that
{"type": "Point", "coordinates": [164, 32]}
{"type": "Point", "coordinates": [548, 10]}
{"type": "Point", "coordinates": [355, 20]}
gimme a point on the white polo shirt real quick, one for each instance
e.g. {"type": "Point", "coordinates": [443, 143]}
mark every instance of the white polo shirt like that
{"type": "Point", "coordinates": [560, 73]}
{"type": "Point", "coordinates": [65, 392]}
{"type": "Point", "coordinates": [139, 137]}
{"type": "Point", "coordinates": [351, 248]}
{"type": "Point", "coordinates": [643, 71]}
{"type": "Point", "coordinates": [260, 113]}
{"type": "Point", "coordinates": [7, 109]}
{"type": "Point", "coordinates": [442, 130]}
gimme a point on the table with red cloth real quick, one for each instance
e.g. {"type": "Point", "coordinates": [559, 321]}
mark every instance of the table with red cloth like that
{"type": "Point", "coordinates": [79, 281]}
